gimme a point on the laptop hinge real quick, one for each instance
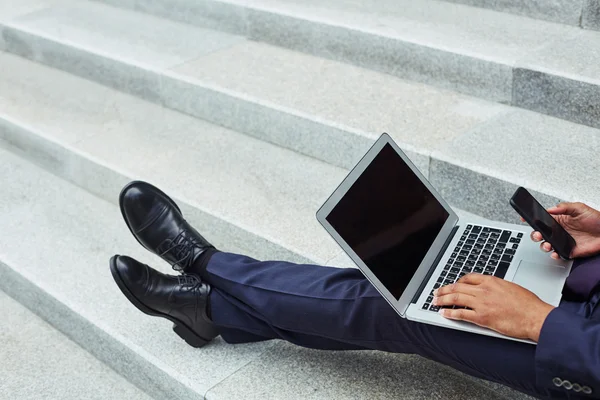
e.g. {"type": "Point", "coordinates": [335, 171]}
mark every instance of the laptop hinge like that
{"type": "Point", "coordinates": [434, 265]}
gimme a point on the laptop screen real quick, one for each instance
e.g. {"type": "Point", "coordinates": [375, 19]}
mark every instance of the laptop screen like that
{"type": "Point", "coordinates": [390, 219]}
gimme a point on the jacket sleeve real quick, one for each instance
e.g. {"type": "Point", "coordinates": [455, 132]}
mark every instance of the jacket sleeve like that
{"type": "Point", "coordinates": [568, 354]}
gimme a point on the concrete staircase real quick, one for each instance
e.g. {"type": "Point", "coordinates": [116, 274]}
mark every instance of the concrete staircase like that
{"type": "Point", "coordinates": [249, 111]}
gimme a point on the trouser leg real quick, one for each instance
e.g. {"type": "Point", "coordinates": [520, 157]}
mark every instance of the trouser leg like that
{"type": "Point", "coordinates": [331, 308]}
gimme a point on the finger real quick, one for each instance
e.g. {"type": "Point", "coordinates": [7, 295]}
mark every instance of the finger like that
{"type": "Point", "coordinates": [473, 279]}
{"type": "Point", "coordinates": [522, 219]}
{"type": "Point", "coordinates": [455, 299]}
{"type": "Point", "coordinates": [536, 236]}
{"type": "Point", "coordinates": [458, 287]}
{"type": "Point", "coordinates": [546, 247]}
{"type": "Point", "coordinates": [459, 315]}
{"type": "Point", "coordinates": [555, 256]}
{"type": "Point", "coordinates": [566, 208]}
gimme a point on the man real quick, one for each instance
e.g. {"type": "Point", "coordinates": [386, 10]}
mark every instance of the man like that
{"type": "Point", "coordinates": [245, 300]}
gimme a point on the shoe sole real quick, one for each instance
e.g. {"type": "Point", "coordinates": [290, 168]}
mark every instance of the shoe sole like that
{"type": "Point", "coordinates": [140, 183]}
{"type": "Point", "coordinates": [179, 327]}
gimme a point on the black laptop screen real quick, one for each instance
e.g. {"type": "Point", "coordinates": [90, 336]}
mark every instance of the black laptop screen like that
{"type": "Point", "coordinates": [390, 219]}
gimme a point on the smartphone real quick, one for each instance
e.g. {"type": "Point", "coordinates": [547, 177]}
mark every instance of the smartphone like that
{"type": "Point", "coordinates": [540, 220]}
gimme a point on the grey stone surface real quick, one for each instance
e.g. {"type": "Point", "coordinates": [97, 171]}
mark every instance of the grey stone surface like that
{"type": "Point", "coordinates": [133, 37]}
{"type": "Point", "coordinates": [125, 77]}
{"type": "Point", "coordinates": [563, 11]}
{"type": "Point", "coordinates": [38, 362]}
{"type": "Point", "coordinates": [449, 45]}
{"type": "Point", "coordinates": [264, 191]}
{"type": "Point", "coordinates": [455, 46]}
{"type": "Point", "coordinates": [417, 116]}
{"type": "Point", "coordinates": [286, 371]}
{"type": "Point", "coordinates": [562, 79]}
{"type": "Point", "coordinates": [479, 171]}
{"type": "Point", "coordinates": [591, 14]}
{"type": "Point", "coordinates": [10, 9]}
{"type": "Point", "coordinates": [66, 280]}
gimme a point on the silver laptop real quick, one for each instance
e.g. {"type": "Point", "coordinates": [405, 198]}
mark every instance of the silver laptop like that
{"type": "Point", "coordinates": [408, 241]}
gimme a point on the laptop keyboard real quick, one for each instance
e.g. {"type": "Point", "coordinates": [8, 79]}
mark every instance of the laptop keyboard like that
{"type": "Point", "coordinates": [481, 250]}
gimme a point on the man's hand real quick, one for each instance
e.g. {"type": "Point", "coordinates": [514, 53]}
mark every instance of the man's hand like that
{"type": "Point", "coordinates": [496, 304]}
{"type": "Point", "coordinates": [582, 222]}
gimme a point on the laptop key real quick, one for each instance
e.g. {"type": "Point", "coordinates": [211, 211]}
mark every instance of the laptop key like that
{"type": "Point", "coordinates": [487, 273]}
{"type": "Point", "coordinates": [429, 299]}
{"type": "Point", "coordinates": [519, 235]}
{"type": "Point", "coordinates": [458, 264]}
{"type": "Point", "coordinates": [478, 270]}
{"type": "Point", "coordinates": [476, 229]}
{"type": "Point", "coordinates": [426, 306]}
{"type": "Point", "coordinates": [505, 236]}
{"type": "Point", "coordinates": [434, 308]}
{"type": "Point", "coordinates": [507, 258]}
{"type": "Point", "coordinates": [470, 242]}
{"type": "Point", "coordinates": [461, 259]}
{"type": "Point", "coordinates": [510, 252]}
{"type": "Point", "coordinates": [480, 264]}
{"type": "Point", "coordinates": [461, 243]}
{"type": "Point", "coordinates": [515, 246]}
{"type": "Point", "coordinates": [501, 270]}
{"type": "Point", "coordinates": [493, 263]}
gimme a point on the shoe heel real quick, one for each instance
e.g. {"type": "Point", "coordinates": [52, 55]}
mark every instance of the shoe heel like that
{"type": "Point", "coordinates": [190, 337]}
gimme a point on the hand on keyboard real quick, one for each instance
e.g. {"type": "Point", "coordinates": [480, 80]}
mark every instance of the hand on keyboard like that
{"type": "Point", "coordinates": [494, 303]}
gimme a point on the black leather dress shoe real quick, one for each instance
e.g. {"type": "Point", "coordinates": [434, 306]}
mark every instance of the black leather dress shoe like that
{"type": "Point", "coordinates": [181, 299]}
{"type": "Point", "coordinates": [158, 225]}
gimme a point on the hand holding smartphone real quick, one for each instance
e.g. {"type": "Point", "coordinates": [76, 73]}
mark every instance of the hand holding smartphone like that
{"type": "Point", "coordinates": [540, 220]}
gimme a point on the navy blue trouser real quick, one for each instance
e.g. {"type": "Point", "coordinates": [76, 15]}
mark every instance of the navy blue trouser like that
{"type": "Point", "coordinates": [338, 309]}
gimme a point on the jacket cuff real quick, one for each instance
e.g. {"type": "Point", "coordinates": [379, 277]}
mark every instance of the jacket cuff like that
{"type": "Point", "coordinates": [558, 358]}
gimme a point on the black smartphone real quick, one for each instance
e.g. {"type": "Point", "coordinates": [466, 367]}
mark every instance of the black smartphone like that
{"type": "Point", "coordinates": [540, 220]}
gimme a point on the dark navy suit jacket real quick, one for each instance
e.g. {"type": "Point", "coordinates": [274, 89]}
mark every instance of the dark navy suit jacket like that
{"type": "Point", "coordinates": [568, 351]}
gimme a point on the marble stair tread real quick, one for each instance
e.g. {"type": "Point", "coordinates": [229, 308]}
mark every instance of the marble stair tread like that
{"type": "Point", "coordinates": [40, 362]}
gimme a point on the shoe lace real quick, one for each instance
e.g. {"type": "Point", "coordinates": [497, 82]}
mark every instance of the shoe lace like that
{"type": "Point", "coordinates": [182, 249]}
{"type": "Point", "coordinates": [191, 283]}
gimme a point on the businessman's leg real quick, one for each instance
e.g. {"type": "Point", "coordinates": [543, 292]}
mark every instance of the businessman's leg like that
{"type": "Point", "coordinates": [330, 308]}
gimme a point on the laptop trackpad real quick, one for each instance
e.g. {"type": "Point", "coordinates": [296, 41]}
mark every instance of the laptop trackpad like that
{"type": "Point", "coordinates": [542, 279]}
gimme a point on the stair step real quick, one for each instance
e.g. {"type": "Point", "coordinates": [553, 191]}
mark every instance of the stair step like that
{"type": "Point", "coordinates": [488, 51]}
{"type": "Point", "coordinates": [562, 11]}
{"type": "Point", "coordinates": [57, 239]}
{"type": "Point", "coordinates": [113, 137]}
{"type": "Point", "coordinates": [38, 362]}
{"type": "Point", "coordinates": [234, 184]}
{"type": "Point", "coordinates": [463, 48]}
